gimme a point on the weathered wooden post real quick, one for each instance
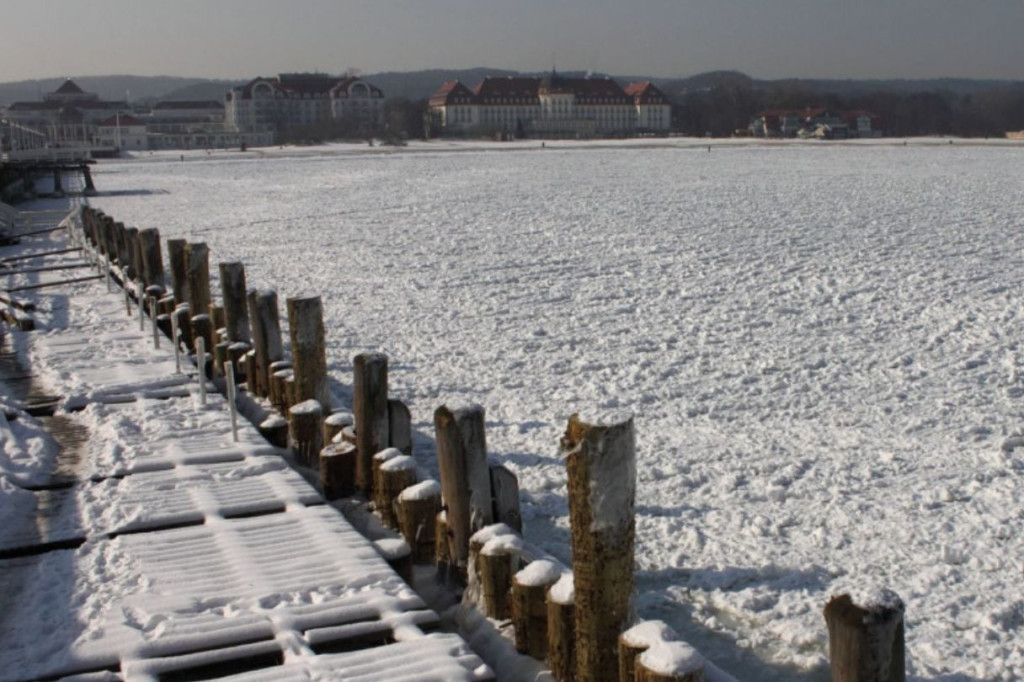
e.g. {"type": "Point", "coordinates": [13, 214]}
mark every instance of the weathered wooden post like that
{"type": "Point", "coordinates": [866, 640]}
{"type": "Point", "coordinates": [670, 662]}
{"type": "Point", "coordinates": [275, 429]}
{"type": "Point", "coordinates": [498, 562]}
{"type": "Point", "coordinates": [335, 424]}
{"type": "Point", "coordinates": [465, 476]}
{"type": "Point", "coordinates": [309, 357]}
{"type": "Point", "coordinates": [399, 426]}
{"type": "Point", "coordinates": [130, 266]}
{"type": "Point", "coordinates": [418, 506]}
{"type": "Point", "coordinates": [562, 629]}
{"type": "Point", "coordinates": [197, 275]}
{"type": "Point", "coordinates": [370, 406]}
{"type": "Point", "coordinates": [529, 608]}
{"type": "Point", "coordinates": [152, 257]}
{"type": "Point", "coordinates": [278, 388]}
{"type": "Point", "coordinates": [396, 475]}
{"type": "Point", "coordinates": [183, 318]}
{"type": "Point", "coordinates": [305, 431]}
{"type": "Point", "coordinates": [637, 640]}
{"type": "Point", "coordinates": [266, 335]}
{"type": "Point", "coordinates": [378, 460]}
{"type": "Point", "coordinates": [505, 489]}
{"type": "Point", "coordinates": [236, 313]}
{"type": "Point", "coordinates": [176, 254]}
{"type": "Point", "coordinates": [601, 459]}
{"type": "Point", "coordinates": [338, 470]}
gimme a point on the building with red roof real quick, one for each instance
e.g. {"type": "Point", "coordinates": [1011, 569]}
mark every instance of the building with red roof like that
{"type": "Point", "coordinates": [552, 106]}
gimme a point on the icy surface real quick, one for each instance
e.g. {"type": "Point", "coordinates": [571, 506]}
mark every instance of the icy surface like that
{"type": "Point", "coordinates": [820, 343]}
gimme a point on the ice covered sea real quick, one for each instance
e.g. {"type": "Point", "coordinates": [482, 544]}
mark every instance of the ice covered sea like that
{"type": "Point", "coordinates": [821, 345]}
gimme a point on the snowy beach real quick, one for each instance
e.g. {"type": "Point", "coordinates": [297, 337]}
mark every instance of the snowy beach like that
{"type": "Point", "coordinates": [820, 344]}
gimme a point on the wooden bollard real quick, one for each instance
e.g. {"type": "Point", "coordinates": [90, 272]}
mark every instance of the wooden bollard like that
{"type": "Point", "coordinates": [465, 478]}
{"type": "Point", "coordinates": [305, 431]}
{"type": "Point", "coordinates": [601, 459]}
{"type": "Point", "coordinates": [152, 257]}
{"type": "Point", "coordinates": [446, 574]}
{"type": "Point", "coordinates": [179, 267]}
{"type": "Point", "coordinates": [275, 429]}
{"type": "Point", "coordinates": [289, 390]}
{"type": "Point", "coordinates": [251, 381]}
{"type": "Point", "coordinates": [335, 424]}
{"type": "Point", "coordinates": [197, 275]}
{"type": "Point", "coordinates": [473, 594]}
{"type": "Point", "coordinates": [266, 336]}
{"type": "Point", "coordinates": [217, 317]}
{"type": "Point", "coordinates": [505, 489]}
{"type": "Point", "coordinates": [396, 474]}
{"type": "Point", "coordinates": [237, 352]}
{"type": "Point", "coordinates": [279, 390]}
{"type": "Point", "coordinates": [130, 267]}
{"type": "Point", "coordinates": [375, 475]}
{"type": "Point", "coordinates": [529, 606]}
{"type": "Point", "coordinates": [370, 406]}
{"type": "Point", "coordinates": [236, 311]}
{"type": "Point", "coordinates": [418, 506]}
{"type": "Point", "coordinates": [220, 356]}
{"type": "Point", "coordinates": [399, 426]}
{"type": "Point", "coordinates": [201, 328]}
{"type": "Point", "coordinates": [637, 640]}
{"type": "Point", "coordinates": [562, 629]}
{"type": "Point", "coordinates": [338, 470]}
{"type": "Point", "coordinates": [499, 561]}
{"type": "Point", "coordinates": [398, 555]}
{"type": "Point", "coordinates": [670, 662]}
{"type": "Point", "coordinates": [866, 640]}
{"type": "Point", "coordinates": [309, 356]}
{"type": "Point", "coordinates": [184, 322]}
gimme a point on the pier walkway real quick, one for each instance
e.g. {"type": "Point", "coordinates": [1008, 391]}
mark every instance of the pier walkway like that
{"type": "Point", "coordinates": [141, 542]}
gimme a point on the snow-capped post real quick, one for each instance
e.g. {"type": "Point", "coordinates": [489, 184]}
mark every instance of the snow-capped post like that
{"type": "Point", "coordinates": [529, 610]}
{"type": "Point", "coordinates": [266, 336]}
{"type": "Point", "coordinates": [201, 329]}
{"type": "Point", "coordinates": [338, 470]}
{"type": "Point", "coordinates": [278, 392]}
{"type": "Point", "coordinates": [396, 474]}
{"type": "Point", "coordinates": [561, 629]}
{"type": "Point", "coordinates": [498, 562]}
{"type": "Point", "coordinates": [465, 478]}
{"type": "Point", "coordinates": [152, 257]}
{"type": "Point", "coordinates": [309, 357]}
{"type": "Point", "coordinates": [370, 406]}
{"type": "Point", "coordinates": [183, 318]}
{"type": "Point", "coordinates": [601, 460]}
{"type": "Point", "coordinates": [399, 426]}
{"type": "Point", "coordinates": [176, 254]}
{"type": "Point", "coordinates": [418, 506]}
{"type": "Point", "coordinates": [237, 353]}
{"type": "Point", "coordinates": [378, 487]}
{"type": "Point", "coordinates": [236, 313]}
{"type": "Point", "coordinates": [505, 489]}
{"type": "Point", "coordinates": [275, 429]}
{"type": "Point", "coordinates": [305, 431]}
{"type": "Point", "coordinates": [866, 640]}
{"type": "Point", "coordinates": [220, 353]}
{"type": "Point", "coordinates": [683, 661]}
{"type": "Point", "coordinates": [669, 662]}
{"type": "Point", "coordinates": [335, 424]}
{"type": "Point", "coordinates": [197, 276]}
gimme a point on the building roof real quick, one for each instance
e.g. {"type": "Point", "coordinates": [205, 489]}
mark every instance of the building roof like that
{"type": "Point", "coordinates": [452, 92]}
{"type": "Point", "coordinates": [307, 84]}
{"type": "Point", "coordinates": [120, 121]}
{"type": "Point", "coordinates": [172, 106]}
{"type": "Point", "coordinates": [50, 105]}
{"type": "Point", "coordinates": [69, 87]}
{"type": "Point", "coordinates": [646, 93]}
{"type": "Point", "coordinates": [507, 90]}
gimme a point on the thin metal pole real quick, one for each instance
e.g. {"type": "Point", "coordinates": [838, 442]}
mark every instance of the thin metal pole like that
{"type": "Point", "coordinates": [201, 361]}
{"type": "Point", "coordinates": [230, 367]}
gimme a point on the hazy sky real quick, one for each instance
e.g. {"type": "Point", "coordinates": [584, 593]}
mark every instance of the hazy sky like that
{"type": "Point", "coordinates": [764, 38]}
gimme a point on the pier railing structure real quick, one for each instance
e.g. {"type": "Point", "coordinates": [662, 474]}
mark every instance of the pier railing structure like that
{"type": "Point", "coordinates": [468, 524]}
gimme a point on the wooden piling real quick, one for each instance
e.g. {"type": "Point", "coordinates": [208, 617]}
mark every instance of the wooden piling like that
{"type": "Point", "coordinates": [601, 459]}
{"type": "Point", "coordinates": [152, 257]}
{"type": "Point", "coordinates": [505, 490]}
{"type": "Point", "coordinates": [176, 254]}
{"type": "Point", "coordinates": [399, 426]}
{"type": "Point", "coordinates": [499, 561]}
{"type": "Point", "coordinates": [309, 357]}
{"type": "Point", "coordinates": [202, 329]}
{"type": "Point", "coordinates": [529, 606]}
{"type": "Point", "coordinates": [305, 432]}
{"type": "Point", "coordinates": [279, 390]}
{"type": "Point", "coordinates": [130, 267]}
{"type": "Point", "coordinates": [266, 335]}
{"type": "Point", "coordinates": [338, 470]}
{"type": "Point", "coordinates": [866, 641]}
{"type": "Point", "coordinates": [236, 312]}
{"type": "Point", "coordinates": [465, 478]}
{"type": "Point", "coordinates": [637, 640]}
{"type": "Point", "coordinates": [375, 475]}
{"type": "Point", "coordinates": [275, 429]}
{"type": "Point", "coordinates": [183, 319]}
{"type": "Point", "coordinates": [197, 274]}
{"type": "Point", "coordinates": [396, 474]}
{"type": "Point", "coordinates": [669, 662]}
{"type": "Point", "coordinates": [418, 506]}
{"type": "Point", "coordinates": [561, 629]}
{"type": "Point", "coordinates": [335, 424]}
{"type": "Point", "coordinates": [370, 406]}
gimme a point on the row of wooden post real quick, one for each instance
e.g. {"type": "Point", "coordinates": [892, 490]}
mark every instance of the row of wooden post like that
{"type": "Point", "coordinates": [469, 523]}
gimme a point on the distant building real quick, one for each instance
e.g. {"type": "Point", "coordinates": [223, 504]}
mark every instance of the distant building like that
{"type": "Point", "coordinates": [553, 106]}
{"type": "Point", "coordinates": [67, 105]}
{"type": "Point", "coordinates": [815, 123]}
{"type": "Point", "coordinates": [294, 102]}
{"type": "Point", "coordinates": [122, 133]}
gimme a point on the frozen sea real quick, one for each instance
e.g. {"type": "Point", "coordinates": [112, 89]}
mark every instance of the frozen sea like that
{"type": "Point", "coordinates": [821, 345]}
